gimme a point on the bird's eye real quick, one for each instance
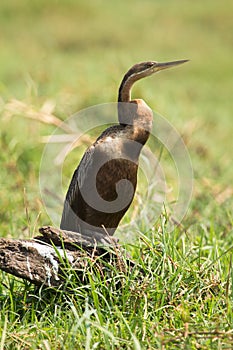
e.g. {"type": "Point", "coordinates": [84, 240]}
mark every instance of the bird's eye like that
{"type": "Point", "coordinates": [150, 64]}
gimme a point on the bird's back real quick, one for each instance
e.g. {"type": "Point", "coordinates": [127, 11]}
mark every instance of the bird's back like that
{"type": "Point", "coordinates": [103, 185]}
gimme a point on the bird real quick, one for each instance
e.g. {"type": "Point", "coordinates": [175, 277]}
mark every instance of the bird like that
{"type": "Point", "coordinates": [104, 183]}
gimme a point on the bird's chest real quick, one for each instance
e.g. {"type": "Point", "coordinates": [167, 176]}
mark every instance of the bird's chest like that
{"type": "Point", "coordinates": [120, 147]}
{"type": "Point", "coordinates": [116, 161]}
{"type": "Point", "coordinates": [114, 175]}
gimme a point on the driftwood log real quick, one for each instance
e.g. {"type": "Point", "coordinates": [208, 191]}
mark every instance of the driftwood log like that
{"type": "Point", "coordinates": [43, 259]}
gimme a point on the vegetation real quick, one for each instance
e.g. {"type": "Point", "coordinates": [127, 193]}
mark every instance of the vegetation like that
{"type": "Point", "coordinates": [58, 57]}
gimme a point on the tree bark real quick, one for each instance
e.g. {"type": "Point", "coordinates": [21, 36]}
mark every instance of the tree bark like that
{"type": "Point", "coordinates": [45, 259]}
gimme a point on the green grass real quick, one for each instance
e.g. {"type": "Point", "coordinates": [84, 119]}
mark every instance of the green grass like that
{"type": "Point", "coordinates": [74, 54]}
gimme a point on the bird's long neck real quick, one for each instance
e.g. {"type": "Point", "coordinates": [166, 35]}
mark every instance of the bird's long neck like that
{"type": "Point", "coordinates": [124, 94]}
{"type": "Point", "coordinates": [134, 113]}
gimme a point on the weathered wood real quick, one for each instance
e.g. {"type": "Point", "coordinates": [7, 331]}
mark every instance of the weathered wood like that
{"type": "Point", "coordinates": [42, 259]}
{"type": "Point", "coordinates": [58, 236]}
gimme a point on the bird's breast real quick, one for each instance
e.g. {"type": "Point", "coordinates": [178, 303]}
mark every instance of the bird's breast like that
{"type": "Point", "coordinates": [114, 158]}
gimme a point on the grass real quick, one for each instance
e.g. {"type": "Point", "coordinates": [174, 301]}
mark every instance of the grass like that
{"type": "Point", "coordinates": [66, 56]}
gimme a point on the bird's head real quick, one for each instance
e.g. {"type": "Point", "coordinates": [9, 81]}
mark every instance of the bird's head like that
{"type": "Point", "coordinates": [139, 71]}
{"type": "Point", "coordinates": [145, 69]}
{"type": "Point", "coordinates": [136, 112]}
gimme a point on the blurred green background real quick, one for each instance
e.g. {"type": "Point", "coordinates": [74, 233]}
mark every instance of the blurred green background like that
{"type": "Point", "coordinates": [73, 54]}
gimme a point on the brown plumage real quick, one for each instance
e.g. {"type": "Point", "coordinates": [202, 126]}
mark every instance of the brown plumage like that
{"type": "Point", "coordinates": [103, 185]}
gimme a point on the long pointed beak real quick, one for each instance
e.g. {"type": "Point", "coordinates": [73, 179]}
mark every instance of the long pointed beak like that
{"type": "Point", "coordinates": [165, 65]}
